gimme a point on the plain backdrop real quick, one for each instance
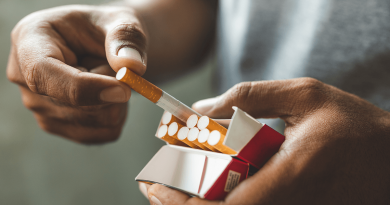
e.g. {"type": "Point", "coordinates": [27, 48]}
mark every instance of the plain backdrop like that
{"type": "Point", "coordinates": [37, 168]}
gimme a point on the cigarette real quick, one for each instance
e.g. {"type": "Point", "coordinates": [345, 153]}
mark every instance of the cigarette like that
{"type": "Point", "coordinates": [216, 140]}
{"type": "Point", "coordinates": [205, 122]}
{"type": "Point", "coordinates": [183, 133]}
{"type": "Point", "coordinates": [193, 135]}
{"type": "Point", "coordinates": [162, 133]}
{"type": "Point", "coordinates": [192, 121]}
{"type": "Point", "coordinates": [155, 94]}
{"type": "Point", "coordinates": [173, 132]}
{"type": "Point", "coordinates": [203, 137]}
{"type": "Point", "coordinates": [168, 118]}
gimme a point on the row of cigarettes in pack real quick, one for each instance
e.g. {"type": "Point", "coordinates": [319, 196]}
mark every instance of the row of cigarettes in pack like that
{"type": "Point", "coordinates": [199, 133]}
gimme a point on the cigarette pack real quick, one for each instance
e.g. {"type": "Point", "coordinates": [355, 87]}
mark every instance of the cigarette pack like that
{"type": "Point", "coordinates": [212, 175]}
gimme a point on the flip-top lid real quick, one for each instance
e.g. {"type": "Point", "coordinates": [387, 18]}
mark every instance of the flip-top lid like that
{"type": "Point", "coordinates": [186, 169]}
{"type": "Point", "coordinates": [241, 130]}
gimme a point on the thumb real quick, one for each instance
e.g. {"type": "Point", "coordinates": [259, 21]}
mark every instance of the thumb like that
{"type": "Point", "coordinates": [126, 41]}
{"type": "Point", "coordinates": [267, 99]}
{"type": "Point", "coordinates": [162, 195]}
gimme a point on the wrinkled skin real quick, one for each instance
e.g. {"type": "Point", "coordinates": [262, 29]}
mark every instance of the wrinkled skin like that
{"type": "Point", "coordinates": [336, 149]}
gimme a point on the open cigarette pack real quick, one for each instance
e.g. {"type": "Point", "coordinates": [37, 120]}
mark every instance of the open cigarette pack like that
{"type": "Point", "coordinates": [206, 160]}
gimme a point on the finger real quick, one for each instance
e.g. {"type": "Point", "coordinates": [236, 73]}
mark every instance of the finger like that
{"type": "Point", "coordinates": [44, 59]}
{"type": "Point", "coordinates": [272, 183]}
{"type": "Point", "coordinates": [143, 187]}
{"type": "Point", "coordinates": [104, 70]}
{"type": "Point", "coordinates": [77, 133]}
{"type": "Point", "coordinates": [267, 99]}
{"type": "Point", "coordinates": [91, 62]}
{"type": "Point", "coordinates": [13, 70]}
{"type": "Point", "coordinates": [89, 125]}
{"type": "Point", "coordinates": [162, 195]}
{"type": "Point", "coordinates": [49, 76]}
{"type": "Point", "coordinates": [109, 115]}
{"type": "Point", "coordinates": [125, 41]}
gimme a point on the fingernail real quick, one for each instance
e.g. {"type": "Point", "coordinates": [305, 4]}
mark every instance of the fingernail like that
{"type": "Point", "coordinates": [203, 106]}
{"type": "Point", "coordinates": [113, 94]}
{"type": "Point", "coordinates": [130, 53]}
{"type": "Point", "coordinates": [143, 189]}
{"type": "Point", "coordinates": [155, 200]}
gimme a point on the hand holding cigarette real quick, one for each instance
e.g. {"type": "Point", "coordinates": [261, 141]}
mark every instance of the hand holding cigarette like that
{"type": "Point", "coordinates": [63, 60]}
{"type": "Point", "coordinates": [329, 133]}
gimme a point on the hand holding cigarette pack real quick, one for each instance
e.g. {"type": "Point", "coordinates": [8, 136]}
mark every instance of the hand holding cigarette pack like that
{"type": "Point", "coordinates": [202, 157]}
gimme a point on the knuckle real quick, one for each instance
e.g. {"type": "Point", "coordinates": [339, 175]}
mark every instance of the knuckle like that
{"type": "Point", "coordinates": [75, 94]}
{"type": "Point", "coordinates": [240, 92]}
{"type": "Point", "coordinates": [26, 25]}
{"type": "Point", "coordinates": [311, 87]}
{"type": "Point", "coordinates": [32, 76]}
{"type": "Point", "coordinates": [312, 90]}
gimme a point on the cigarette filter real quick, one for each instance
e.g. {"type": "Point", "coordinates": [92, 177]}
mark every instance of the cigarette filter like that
{"type": "Point", "coordinates": [155, 94]}
{"type": "Point", "coordinates": [205, 122]}
{"type": "Point", "coordinates": [216, 140]}
{"type": "Point", "coordinates": [183, 134]}
{"type": "Point", "coordinates": [168, 119]}
{"type": "Point", "coordinates": [193, 136]}
{"type": "Point", "coordinates": [203, 137]}
{"type": "Point", "coordinates": [173, 131]}
{"type": "Point", "coordinates": [204, 134]}
{"type": "Point", "coordinates": [192, 121]}
{"type": "Point", "coordinates": [162, 133]}
{"type": "Point", "coordinates": [217, 135]}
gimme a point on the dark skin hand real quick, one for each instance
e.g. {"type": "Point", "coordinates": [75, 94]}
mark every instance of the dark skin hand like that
{"type": "Point", "coordinates": [64, 60]}
{"type": "Point", "coordinates": [336, 149]}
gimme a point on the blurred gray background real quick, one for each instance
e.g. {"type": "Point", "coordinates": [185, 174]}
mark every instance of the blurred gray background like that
{"type": "Point", "coordinates": [38, 168]}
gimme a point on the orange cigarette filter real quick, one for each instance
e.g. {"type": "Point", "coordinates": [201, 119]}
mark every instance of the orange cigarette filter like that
{"type": "Point", "coordinates": [155, 94]}
{"type": "Point", "coordinates": [201, 145]}
{"type": "Point", "coordinates": [140, 85]}
{"type": "Point", "coordinates": [173, 130]}
{"type": "Point", "coordinates": [192, 137]}
{"type": "Point", "coordinates": [168, 119]}
{"type": "Point", "coordinates": [206, 122]}
{"type": "Point", "coordinates": [162, 133]}
{"type": "Point", "coordinates": [202, 138]}
{"type": "Point", "coordinates": [209, 147]}
{"type": "Point", "coordinates": [216, 140]}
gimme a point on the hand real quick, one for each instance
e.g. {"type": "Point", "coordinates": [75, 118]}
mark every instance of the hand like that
{"type": "Point", "coordinates": [63, 60]}
{"type": "Point", "coordinates": [336, 149]}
